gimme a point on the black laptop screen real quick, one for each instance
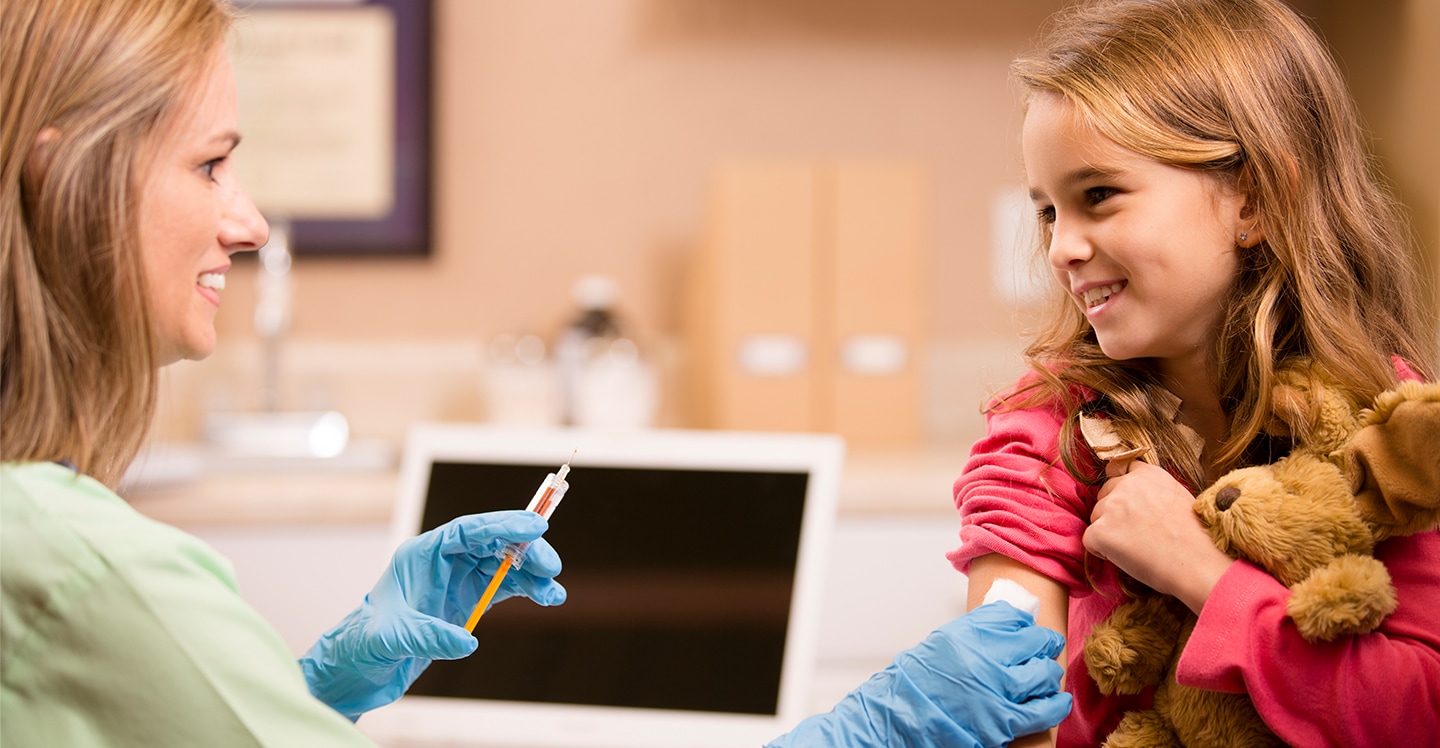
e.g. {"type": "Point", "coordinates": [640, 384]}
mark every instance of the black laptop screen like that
{"type": "Point", "coordinates": [680, 583]}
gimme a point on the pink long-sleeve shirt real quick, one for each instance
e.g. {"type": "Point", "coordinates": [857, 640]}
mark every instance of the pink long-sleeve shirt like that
{"type": "Point", "coordinates": [1380, 689]}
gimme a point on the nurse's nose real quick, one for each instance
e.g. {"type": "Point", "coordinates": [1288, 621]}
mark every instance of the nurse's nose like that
{"type": "Point", "coordinates": [242, 228]}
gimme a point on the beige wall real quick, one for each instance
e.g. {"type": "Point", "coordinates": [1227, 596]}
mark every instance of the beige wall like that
{"type": "Point", "coordinates": [1391, 55]}
{"type": "Point", "coordinates": [579, 137]}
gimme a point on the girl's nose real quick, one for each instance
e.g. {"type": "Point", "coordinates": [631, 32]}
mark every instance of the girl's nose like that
{"type": "Point", "coordinates": [1068, 245]}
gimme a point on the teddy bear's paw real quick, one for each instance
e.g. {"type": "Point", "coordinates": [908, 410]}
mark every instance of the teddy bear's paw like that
{"type": "Point", "coordinates": [1120, 666]}
{"type": "Point", "coordinates": [1131, 649]}
{"type": "Point", "coordinates": [1350, 595]}
{"type": "Point", "coordinates": [1145, 729]}
{"type": "Point", "coordinates": [1211, 719]}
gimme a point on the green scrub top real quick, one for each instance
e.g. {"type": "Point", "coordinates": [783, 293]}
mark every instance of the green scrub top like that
{"type": "Point", "coordinates": [116, 630]}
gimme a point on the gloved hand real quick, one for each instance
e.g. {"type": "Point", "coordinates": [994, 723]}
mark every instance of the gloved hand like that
{"type": "Point", "coordinates": [979, 681]}
{"type": "Point", "coordinates": [416, 611]}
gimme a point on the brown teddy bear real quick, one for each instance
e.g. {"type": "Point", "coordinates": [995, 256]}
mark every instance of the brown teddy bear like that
{"type": "Point", "coordinates": [1312, 520]}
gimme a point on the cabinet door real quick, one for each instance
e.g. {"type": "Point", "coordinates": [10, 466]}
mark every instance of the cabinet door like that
{"type": "Point", "coordinates": [753, 303]}
{"type": "Point", "coordinates": [806, 311]}
{"type": "Point", "coordinates": [874, 304]}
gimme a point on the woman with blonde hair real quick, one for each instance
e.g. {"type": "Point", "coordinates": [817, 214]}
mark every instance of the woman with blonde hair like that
{"type": "Point", "coordinates": [1211, 214]}
{"type": "Point", "coordinates": [119, 215]}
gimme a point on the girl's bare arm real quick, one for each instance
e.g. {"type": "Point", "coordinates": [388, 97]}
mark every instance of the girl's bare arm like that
{"type": "Point", "coordinates": [1054, 609]}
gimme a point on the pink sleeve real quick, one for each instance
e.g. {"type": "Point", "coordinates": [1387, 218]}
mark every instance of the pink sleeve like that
{"type": "Point", "coordinates": [1403, 371]}
{"type": "Point", "coordinates": [1016, 499]}
{"type": "Point", "coordinates": [1378, 689]}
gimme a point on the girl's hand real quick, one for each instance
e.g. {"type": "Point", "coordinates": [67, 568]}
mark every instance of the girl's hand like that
{"type": "Point", "coordinates": [1145, 523]}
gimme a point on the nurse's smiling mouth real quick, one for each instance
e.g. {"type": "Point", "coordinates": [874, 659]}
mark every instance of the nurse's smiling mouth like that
{"type": "Point", "coordinates": [211, 283]}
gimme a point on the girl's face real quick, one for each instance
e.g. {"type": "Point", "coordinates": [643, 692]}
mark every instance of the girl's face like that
{"type": "Point", "coordinates": [1147, 250]}
{"type": "Point", "coordinates": [194, 215]}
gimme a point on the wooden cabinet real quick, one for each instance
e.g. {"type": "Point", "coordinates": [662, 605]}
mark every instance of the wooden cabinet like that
{"type": "Point", "coordinates": [806, 302]}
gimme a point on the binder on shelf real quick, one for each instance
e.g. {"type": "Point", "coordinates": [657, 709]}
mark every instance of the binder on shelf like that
{"type": "Point", "coordinates": [806, 310]}
{"type": "Point", "coordinates": [876, 301]}
{"type": "Point", "coordinates": [753, 301]}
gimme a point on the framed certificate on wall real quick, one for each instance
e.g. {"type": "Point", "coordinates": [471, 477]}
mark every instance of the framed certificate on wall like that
{"type": "Point", "coordinates": [334, 100]}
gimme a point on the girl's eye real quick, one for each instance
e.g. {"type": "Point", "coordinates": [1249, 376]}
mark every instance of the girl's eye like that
{"type": "Point", "coordinates": [1045, 215]}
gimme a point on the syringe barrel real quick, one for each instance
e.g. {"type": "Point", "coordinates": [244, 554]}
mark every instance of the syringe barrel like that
{"type": "Point", "coordinates": [546, 498]}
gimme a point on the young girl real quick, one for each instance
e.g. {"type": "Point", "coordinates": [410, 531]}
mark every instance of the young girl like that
{"type": "Point", "coordinates": [1208, 208]}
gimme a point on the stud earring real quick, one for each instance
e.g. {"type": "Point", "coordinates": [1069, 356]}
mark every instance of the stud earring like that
{"type": "Point", "coordinates": [1243, 235]}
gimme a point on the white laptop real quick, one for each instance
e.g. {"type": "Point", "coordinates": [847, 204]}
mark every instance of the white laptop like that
{"type": "Point", "coordinates": [694, 562]}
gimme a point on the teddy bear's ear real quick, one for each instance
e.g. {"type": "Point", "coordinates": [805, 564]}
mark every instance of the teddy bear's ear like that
{"type": "Point", "coordinates": [1290, 400]}
{"type": "Point", "coordinates": [1393, 461]}
{"type": "Point", "coordinates": [1309, 406]}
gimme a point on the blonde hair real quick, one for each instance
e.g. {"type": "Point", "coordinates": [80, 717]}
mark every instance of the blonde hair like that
{"type": "Point", "coordinates": [1243, 90]}
{"type": "Point", "coordinates": [86, 86]}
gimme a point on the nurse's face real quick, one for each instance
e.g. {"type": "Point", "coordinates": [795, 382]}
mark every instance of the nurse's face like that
{"type": "Point", "coordinates": [194, 215]}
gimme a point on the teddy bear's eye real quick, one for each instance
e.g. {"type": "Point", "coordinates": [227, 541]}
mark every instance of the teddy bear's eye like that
{"type": "Point", "coordinates": [1226, 497]}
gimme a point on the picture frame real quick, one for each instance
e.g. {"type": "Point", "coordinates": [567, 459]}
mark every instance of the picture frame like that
{"type": "Point", "coordinates": [404, 227]}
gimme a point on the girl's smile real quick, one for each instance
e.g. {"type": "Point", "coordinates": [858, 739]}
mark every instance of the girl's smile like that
{"type": "Point", "coordinates": [1096, 296]}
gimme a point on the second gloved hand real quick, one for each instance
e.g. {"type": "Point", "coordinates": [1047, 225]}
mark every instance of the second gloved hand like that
{"type": "Point", "coordinates": [979, 681]}
{"type": "Point", "coordinates": [415, 613]}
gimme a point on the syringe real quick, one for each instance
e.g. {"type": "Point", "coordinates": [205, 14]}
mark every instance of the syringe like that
{"type": "Point", "coordinates": [512, 555]}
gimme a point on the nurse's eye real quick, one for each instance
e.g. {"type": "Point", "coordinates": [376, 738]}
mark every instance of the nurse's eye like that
{"type": "Point", "coordinates": [1097, 195]}
{"type": "Point", "coordinates": [208, 168]}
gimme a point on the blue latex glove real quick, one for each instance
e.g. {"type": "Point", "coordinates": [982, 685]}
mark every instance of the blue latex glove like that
{"type": "Point", "coordinates": [979, 681]}
{"type": "Point", "coordinates": [416, 612]}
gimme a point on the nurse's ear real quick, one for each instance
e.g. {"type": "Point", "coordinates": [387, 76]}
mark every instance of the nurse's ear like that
{"type": "Point", "coordinates": [37, 162]}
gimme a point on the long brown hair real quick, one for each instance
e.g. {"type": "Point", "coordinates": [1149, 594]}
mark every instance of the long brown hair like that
{"type": "Point", "coordinates": [86, 85]}
{"type": "Point", "coordinates": [1246, 91]}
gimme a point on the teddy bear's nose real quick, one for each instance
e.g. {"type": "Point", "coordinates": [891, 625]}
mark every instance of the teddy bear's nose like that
{"type": "Point", "coordinates": [1226, 497]}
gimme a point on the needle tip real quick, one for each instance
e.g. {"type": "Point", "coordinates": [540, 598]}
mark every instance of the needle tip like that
{"type": "Point", "coordinates": [565, 469]}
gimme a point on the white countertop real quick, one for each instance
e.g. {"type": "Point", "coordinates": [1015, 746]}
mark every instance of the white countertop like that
{"type": "Point", "coordinates": [176, 487]}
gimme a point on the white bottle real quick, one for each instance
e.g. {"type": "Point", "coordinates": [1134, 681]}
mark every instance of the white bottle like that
{"type": "Point", "coordinates": [604, 381]}
{"type": "Point", "coordinates": [520, 387]}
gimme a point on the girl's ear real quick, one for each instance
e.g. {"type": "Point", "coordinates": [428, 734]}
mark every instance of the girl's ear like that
{"type": "Point", "coordinates": [1252, 229]}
